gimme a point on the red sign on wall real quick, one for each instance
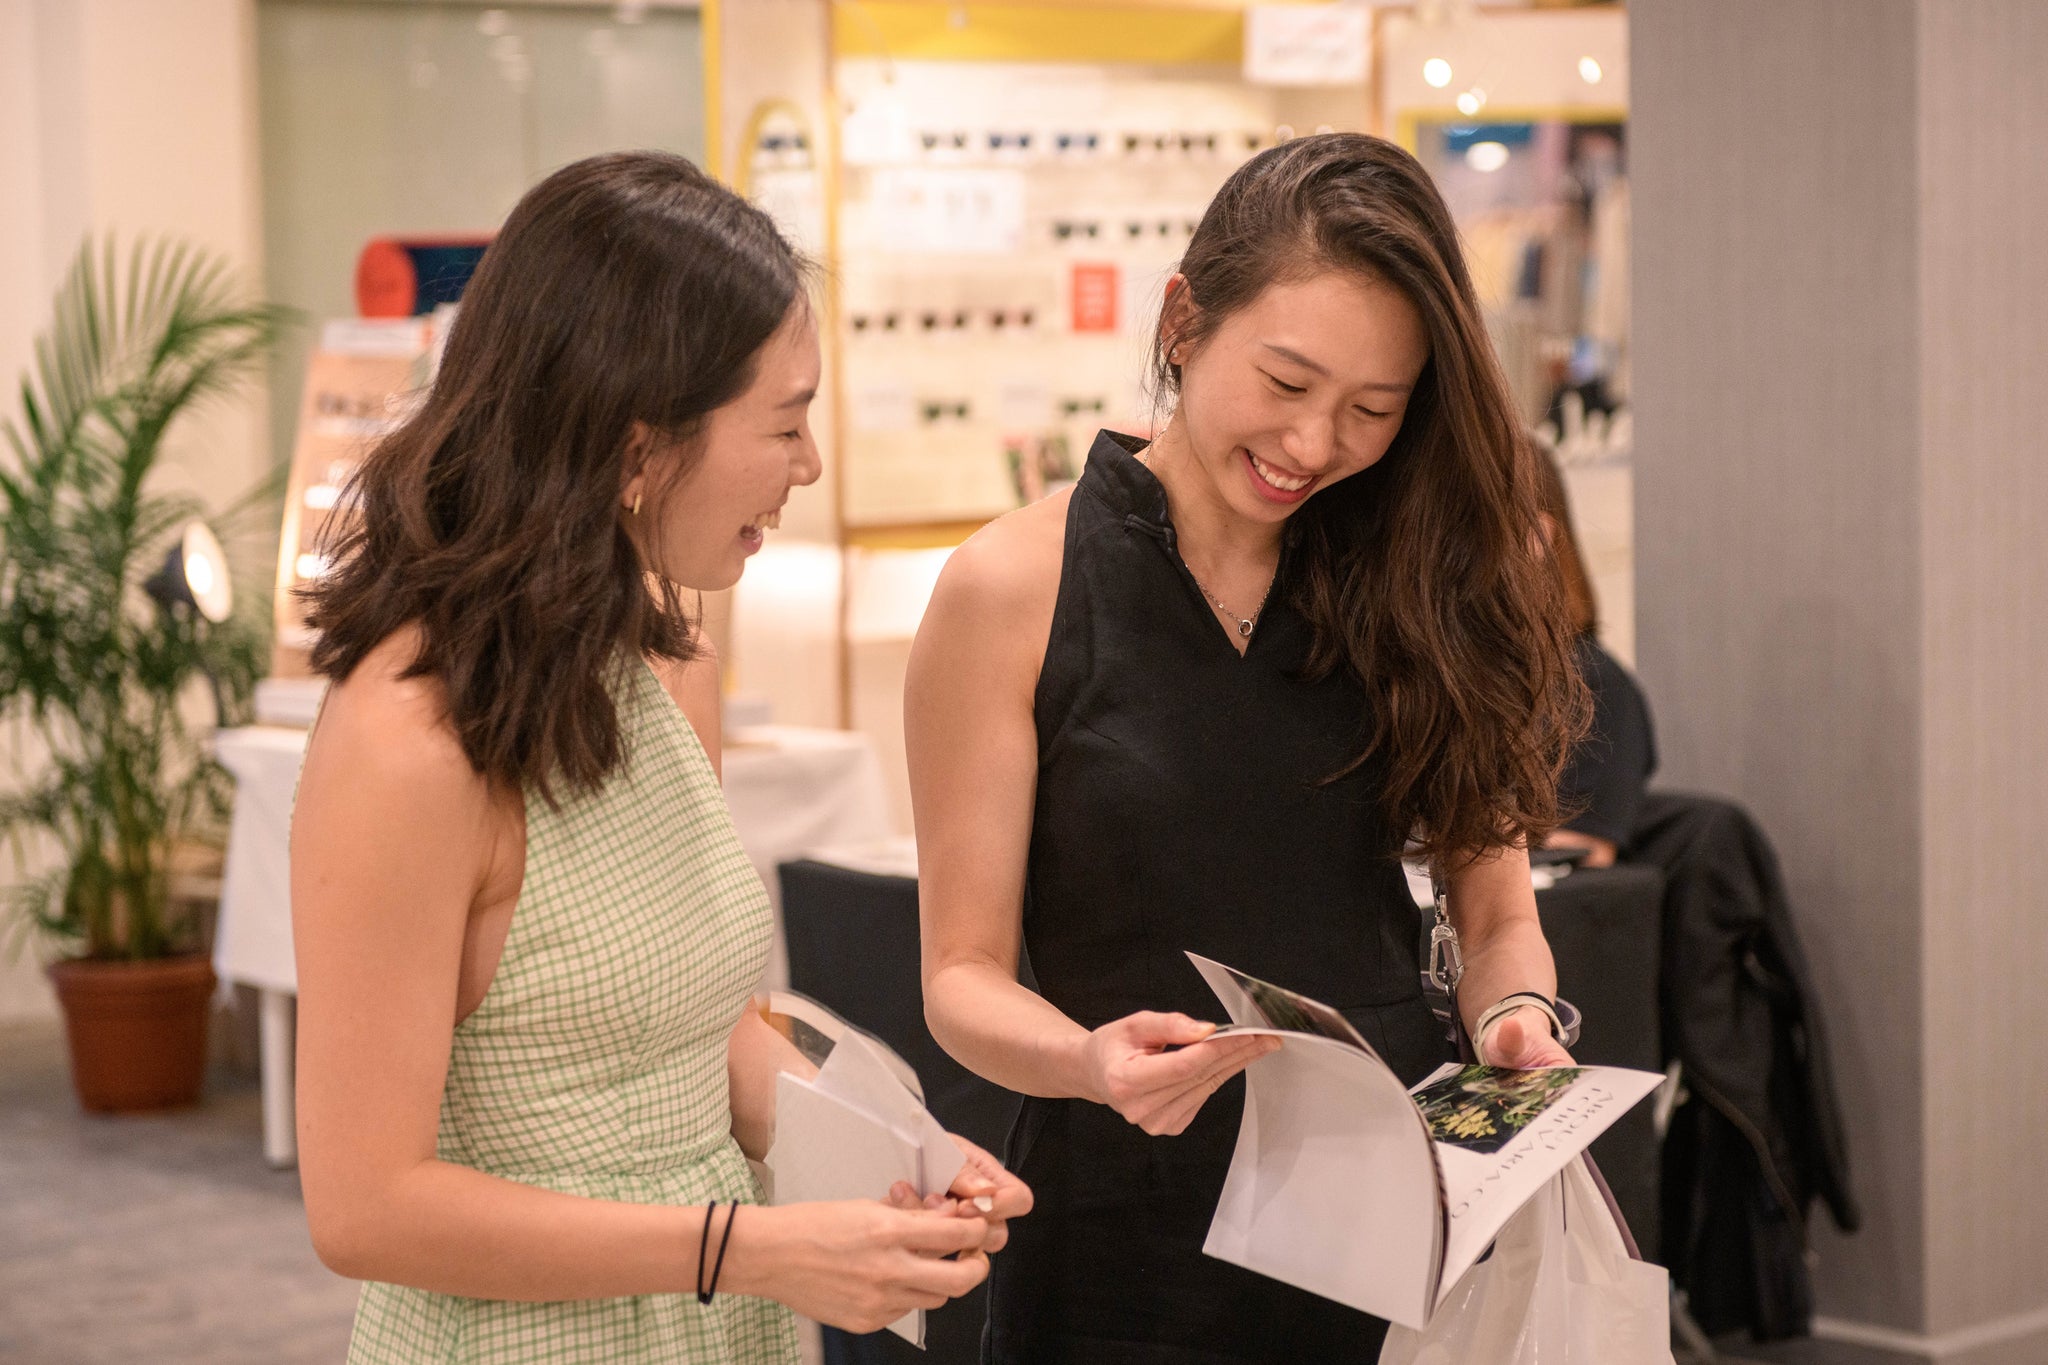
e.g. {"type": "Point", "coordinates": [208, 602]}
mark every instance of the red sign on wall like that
{"type": "Point", "coordinates": [1094, 294]}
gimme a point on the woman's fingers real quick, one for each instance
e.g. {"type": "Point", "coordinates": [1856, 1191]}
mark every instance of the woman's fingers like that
{"type": "Point", "coordinates": [1176, 1123]}
{"type": "Point", "coordinates": [1515, 1044]}
{"type": "Point", "coordinates": [927, 1275]}
{"type": "Point", "coordinates": [1149, 1090]}
{"type": "Point", "coordinates": [1149, 1029]}
{"type": "Point", "coordinates": [1173, 1117]}
{"type": "Point", "coordinates": [935, 1234]}
{"type": "Point", "coordinates": [1147, 1074]}
{"type": "Point", "coordinates": [985, 1188]}
{"type": "Point", "coordinates": [1170, 1111]}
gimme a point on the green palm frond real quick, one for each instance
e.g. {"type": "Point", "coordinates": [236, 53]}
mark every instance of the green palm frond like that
{"type": "Point", "coordinates": [135, 342]}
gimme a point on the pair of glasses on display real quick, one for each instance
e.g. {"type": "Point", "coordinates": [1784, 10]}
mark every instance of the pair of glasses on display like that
{"type": "Point", "coordinates": [1165, 227]}
{"type": "Point", "coordinates": [862, 323]}
{"type": "Point", "coordinates": [1070, 229]}
{"type": "Point", "coordinates": [1190, 144]}
{"type": "Point", "coordinates": [1207, 143]}
{"type": "Point", "coordinates": [959, 320]}
{"type": "Point", "coordinates": [934, 410]}
{"type": "Point", "coordinates": [782, 144]}
{"type": "Point", "coordinates": [1075, 407]}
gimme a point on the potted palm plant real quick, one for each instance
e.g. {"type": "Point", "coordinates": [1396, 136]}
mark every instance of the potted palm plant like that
{"type": "Point", "coordinates": [110, 587]}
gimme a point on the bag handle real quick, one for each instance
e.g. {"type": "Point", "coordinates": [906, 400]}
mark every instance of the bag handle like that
{"type": "Point", "coordinates": [1628, 1237]}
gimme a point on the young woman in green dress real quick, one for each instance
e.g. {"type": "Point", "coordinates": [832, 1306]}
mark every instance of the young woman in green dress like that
{"type": "Point", "coordinates": [530, 1076]}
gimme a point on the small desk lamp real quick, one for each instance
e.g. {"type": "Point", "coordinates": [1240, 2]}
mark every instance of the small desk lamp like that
{"type": "Point", "coordinates": [195, 575]}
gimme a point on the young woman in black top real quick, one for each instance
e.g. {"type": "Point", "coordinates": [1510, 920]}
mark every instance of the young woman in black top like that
{"type": "Point", "coordinates": [1200, 702]}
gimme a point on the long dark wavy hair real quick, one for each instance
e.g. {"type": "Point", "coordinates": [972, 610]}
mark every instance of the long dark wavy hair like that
{"type": "Point", "coordinates": [1424, 575]}
{"type": "Point", "coordinates": [623, 288]}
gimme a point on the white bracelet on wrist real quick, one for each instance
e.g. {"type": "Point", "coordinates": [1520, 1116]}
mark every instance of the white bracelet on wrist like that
{"type": "Point", "coordinates": [1507, 1005]}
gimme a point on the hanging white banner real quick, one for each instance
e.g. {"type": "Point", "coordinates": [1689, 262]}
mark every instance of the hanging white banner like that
{"type": "Point", "coordinates": [1307, 44]}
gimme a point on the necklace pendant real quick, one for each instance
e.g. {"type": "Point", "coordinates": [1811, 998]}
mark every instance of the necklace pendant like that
{"type": "Point", "coordinates": [1244, 628]}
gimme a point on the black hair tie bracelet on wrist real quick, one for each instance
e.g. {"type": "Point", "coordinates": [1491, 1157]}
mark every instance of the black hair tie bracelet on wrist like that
{"type": "Point", "coordinates": [704, 1294]}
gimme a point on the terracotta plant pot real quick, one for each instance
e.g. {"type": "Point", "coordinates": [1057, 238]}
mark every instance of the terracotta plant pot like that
{"type": "Point", "coordinates": [137, 1030]}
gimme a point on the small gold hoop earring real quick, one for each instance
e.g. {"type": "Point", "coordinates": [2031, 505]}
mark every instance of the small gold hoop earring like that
{"type": "Point", "coordinates": [636, 504]}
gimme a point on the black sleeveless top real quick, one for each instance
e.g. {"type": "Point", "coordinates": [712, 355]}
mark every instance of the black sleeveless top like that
{"type": "Point", "coordinates": [1183, 804]}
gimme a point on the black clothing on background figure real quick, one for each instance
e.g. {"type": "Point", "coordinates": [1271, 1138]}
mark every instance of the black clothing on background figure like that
{"type": "Point", "coordinates": [1762, 1134]}
{"type": "Point", "coordinates": [1606, 774]}
{"type": "Point", "coordinates": [1182, 804]}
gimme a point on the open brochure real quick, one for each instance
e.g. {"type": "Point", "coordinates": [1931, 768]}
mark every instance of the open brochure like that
{"type": "Point", "coordinates": [857, 1127]}
{"type": "Point", "coordinates": [1346, 1184]}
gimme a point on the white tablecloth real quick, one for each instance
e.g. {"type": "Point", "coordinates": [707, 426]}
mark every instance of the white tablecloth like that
{"type": "Point", "coordinates": [793, 790]}
{"type": "Point", "coordinates": [790, 790]}
{"type": "Point", "coordinates": [252, 941]}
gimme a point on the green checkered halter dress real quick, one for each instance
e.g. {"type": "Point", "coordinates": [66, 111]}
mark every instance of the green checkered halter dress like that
{"type": "Point", "coordinates": [596, 1063]}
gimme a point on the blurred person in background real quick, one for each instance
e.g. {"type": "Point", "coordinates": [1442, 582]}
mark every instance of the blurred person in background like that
{"type": "Point", "coordinates": [1761, 1136]}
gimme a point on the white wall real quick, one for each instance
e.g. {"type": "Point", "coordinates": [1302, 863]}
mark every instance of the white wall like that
{"type": "Point", "coordinates": [132, 116]}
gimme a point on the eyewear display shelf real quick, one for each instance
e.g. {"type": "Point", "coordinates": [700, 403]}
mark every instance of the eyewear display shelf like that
{"type": "Point", "coordinates": [1015, 184]}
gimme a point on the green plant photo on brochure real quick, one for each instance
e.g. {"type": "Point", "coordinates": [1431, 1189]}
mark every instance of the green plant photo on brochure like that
{"type": "Point", "coordinates": [116, 636]}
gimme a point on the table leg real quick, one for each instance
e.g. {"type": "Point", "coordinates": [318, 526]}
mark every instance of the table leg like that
{"type": "Point", "coordinates": [280, 1119]}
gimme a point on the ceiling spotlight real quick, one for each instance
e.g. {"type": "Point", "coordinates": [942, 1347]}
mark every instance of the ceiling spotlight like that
{"type": "Point", "coordinates": [195, 574]}
{"type": "Point", "coordinates": [1589, 71]}
{"type": "Point", "coordinates": [1472, 101]}
{"type": "Point", "coordinates": [1437, 72]}
{"type": "Point", "coordinates": [1486, 157]}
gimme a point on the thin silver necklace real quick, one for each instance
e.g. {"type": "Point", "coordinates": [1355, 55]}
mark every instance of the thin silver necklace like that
{"type": "Point", "coordinates": [1245, 624]}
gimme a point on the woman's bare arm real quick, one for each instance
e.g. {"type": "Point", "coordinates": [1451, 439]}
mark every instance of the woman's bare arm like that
{"type": "Point", "coordinates": [1493, 905]}
{"type": "Point", "coordinates": [972, 742]}
{"type": "Point", "coordinates": [393, 841]}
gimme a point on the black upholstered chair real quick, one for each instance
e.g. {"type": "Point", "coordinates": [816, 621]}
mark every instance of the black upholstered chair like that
{"type": "Point", "coordinates": [1603, 929]}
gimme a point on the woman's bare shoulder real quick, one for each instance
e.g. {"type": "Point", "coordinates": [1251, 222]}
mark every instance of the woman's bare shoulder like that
{"type": "Point", "coordinates": [391, 731]}
{"type": "Point", "coordinates": [1013, 563]}
{"type": "Point", "coordinates": [991, 613]}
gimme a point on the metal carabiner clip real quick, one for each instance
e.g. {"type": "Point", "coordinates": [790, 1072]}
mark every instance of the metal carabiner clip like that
{"type": "Point", "coordinates": [1446, 961]}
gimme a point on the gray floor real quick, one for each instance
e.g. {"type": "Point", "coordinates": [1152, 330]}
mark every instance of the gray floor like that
{"type": "Point", "coordinates": [163, 1239]}
{"type": "Point", "coordinates": [167, 1239]}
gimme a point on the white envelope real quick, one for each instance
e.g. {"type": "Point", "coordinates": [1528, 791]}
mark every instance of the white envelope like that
{"type": "Point", "coordinates": [853, 1132]}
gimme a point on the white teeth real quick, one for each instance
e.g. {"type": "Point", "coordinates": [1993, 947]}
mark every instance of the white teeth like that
{"type": "Point", "coordinates": [1277, 479]}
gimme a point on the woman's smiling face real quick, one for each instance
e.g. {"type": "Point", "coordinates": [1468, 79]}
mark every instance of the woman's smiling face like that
{"type": "Point", "coordinates": [754, 450]}
{"type": "Point", "coordinates": [1302, 387]}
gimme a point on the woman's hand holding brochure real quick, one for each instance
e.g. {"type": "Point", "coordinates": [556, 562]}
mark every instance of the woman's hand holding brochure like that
{"type": "Point", "coordinates": [854, 1140]}
{"type": "Point", "coordinates": [1333, 1143]}
{"type": "Point", "coordinates": [1521, 1042]}
{"type": "Point", "coordinates": [983, 1189]}
{"type": "Point", "coordinates": [1157, 1070]}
